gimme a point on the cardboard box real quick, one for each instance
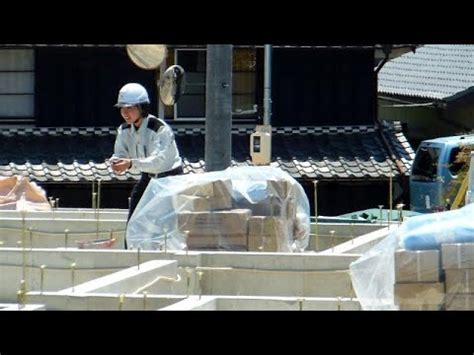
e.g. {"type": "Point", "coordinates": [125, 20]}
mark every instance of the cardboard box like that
{"type": "Point", "coordinates": [215, 222]}
{"type": "Point", "coordinates": [460, 281]}
{"type": "Point", "coordinates": [209, 189]}
{"type": "Point", "coordinates": [274, 199]}
{"type": "Point", "coordinates": [191, 203]}
{"type": "Point", "coordinates": [213, 241]}
{"type": "Point", "coordinates": [457, 256]}
{"type": "Point", "coordinates": [266, 207]}
{"type": "Point", "coordinates": [290, 210]}
{"type": "Point", "coordinates": [222, 188]}
{"type": "Point", "coordinates": [200, 189]}
{"type": "Point", "coordinates": [417, 266]}
{"type": "Point", "coordinates": [266, 225]}
{"type": "Point", "coordinates": [419, 294]}
{"type": "Point", "coordinates": [270, 234]}
{"type": "Point", "coordinates": [223, 202]}
{"type": "Point", "coordinates": [240, 248]}
{"type": "Point", "coordinates": [460, 302]}
{"type": "Point", "coordinates": [264, 243]}
{"type": "Point", "coordinates": [279, 188]}
{"type": "Point", "coordinates": [218, 196]}
{"type": "Point", "coordinates": [437, 307]}
{"type": "Point", "coordinates": [273, 207]}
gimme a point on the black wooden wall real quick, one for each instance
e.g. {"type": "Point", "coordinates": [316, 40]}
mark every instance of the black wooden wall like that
{"type": "Point", "coordinates": [317, 87]}
{"type": "Point", "coordinates": [77, 87]}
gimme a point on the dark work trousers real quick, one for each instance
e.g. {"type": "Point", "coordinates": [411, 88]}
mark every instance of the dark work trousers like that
{"type": "Point", "coordinates": [141, 186]}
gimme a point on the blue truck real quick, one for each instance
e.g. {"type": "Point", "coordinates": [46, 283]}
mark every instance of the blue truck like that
{"type": "Point", "coordinates": [433, 171]}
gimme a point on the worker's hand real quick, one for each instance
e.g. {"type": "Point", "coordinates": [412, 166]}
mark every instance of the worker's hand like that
{"type": "Point", "coordinates": [120, 165]}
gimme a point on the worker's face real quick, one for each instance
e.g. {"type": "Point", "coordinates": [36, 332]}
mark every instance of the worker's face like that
{"type": "Point", "coordinates": [131, 115]}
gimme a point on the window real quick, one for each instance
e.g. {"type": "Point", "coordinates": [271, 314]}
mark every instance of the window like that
{"type": "Point", "coordinates": [425, 166]}
{"type": "Point", "coordinates": [455, 163]}
{"type": "Point", "coordinates": [244, 83]}
{"type": "Point", "coordinates": [16, 85]}
{"type": "Point", "coordinates": [192, 104]}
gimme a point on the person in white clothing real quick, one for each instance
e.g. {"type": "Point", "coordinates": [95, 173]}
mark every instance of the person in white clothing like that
{"type": "Point", "coordinates": [144, 142]}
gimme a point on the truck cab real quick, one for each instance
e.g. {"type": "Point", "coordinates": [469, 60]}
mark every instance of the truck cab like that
{"type": "Point", "coordinates": [433, 169]}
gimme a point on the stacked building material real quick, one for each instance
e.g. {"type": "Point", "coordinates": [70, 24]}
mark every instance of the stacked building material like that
{"type": "Point", "coordinates": [215, 229]}
{"type": "Point", "coordinates": [213, 216]}
{"type": "Point", "coordinates": [458, 264]}
{"type": "Point", "coordinates": [417, 280]}
{"type": "Point", "coordinates": [209, 196]}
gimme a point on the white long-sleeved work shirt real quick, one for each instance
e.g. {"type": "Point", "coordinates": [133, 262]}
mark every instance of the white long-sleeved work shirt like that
{"type": "Point", "coordinates": [152, 147]}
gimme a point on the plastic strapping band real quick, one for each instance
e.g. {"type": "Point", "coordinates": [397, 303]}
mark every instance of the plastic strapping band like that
{"type": "Point", "coordinates": [458, 253]}
{"type": "Point", "coordinates": [418, 265]}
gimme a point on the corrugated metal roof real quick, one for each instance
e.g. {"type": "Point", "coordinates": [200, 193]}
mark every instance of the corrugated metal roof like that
{"type": "Point", "coordinates": [338, 153]}
{"type": "Point", "coordinates": [432, 72]}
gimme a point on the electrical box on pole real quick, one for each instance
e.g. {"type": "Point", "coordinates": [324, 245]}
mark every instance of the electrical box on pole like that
{"type": "Point", "coordinates": [261, 145]}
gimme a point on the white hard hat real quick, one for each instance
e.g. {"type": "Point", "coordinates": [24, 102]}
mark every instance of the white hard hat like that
{"type": "Point", "coordinates": [132, 94]}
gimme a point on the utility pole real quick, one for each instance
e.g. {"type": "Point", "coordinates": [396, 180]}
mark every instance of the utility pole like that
{"type": "Point", "coordinates": [218, 107]}
{"type": "Point", "coordinates": [267, 87]}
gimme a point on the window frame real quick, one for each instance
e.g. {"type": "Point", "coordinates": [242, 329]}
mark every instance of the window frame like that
{"type": "Point", "coordinates": [21, 118]}
{"type": "Point", "coordinates": [175, 107]}
{"type": "Point", "coordinates": [241, 116]}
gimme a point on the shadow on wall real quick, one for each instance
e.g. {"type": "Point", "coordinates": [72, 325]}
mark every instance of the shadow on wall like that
{"type": "Point", "coordinates": [80, 195]}
{"type": "Point", "coordinates": [336, 198]}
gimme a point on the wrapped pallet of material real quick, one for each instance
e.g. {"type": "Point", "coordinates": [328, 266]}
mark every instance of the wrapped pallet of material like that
{"type": "Point", "coordinates": [417, 266]}
{"type": "Point", "coordinates": [19, 193]}
{"type": "Point", "coordinates": [192, 203]}
{"type": "Point", "coordinates": [458, 266]}
{"type": "Point", "coordinates": [429, 231]}
{"type": "Point", "coordinates": [460, 301]}
{"type": "Point", "coordinates": [428, 294]}
{"type": "Point", "coordinates": [221, 230]}
{"type": "Point", "coordinates": [268, 233]}
{"type": "Point", "coordinates": [460, 281]}
{"type": "Point", "coordinates": [409, 255]}
{"type": "Point", "coordinates": [422, 307]}
{"type": "Point", "coordinates": [268, 198]}
{"type": "Point", "coordinates": [214, 195]}
{"type": "Point", "coordinates": [457, 255]}
{"type": "Point", "coordinates": [215, 210]}
{"type": "Point", "coordinates": [417, 275]}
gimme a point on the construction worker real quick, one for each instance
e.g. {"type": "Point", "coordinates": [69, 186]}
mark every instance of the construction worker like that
{"type": "Point", "coordinates": [144, 143]}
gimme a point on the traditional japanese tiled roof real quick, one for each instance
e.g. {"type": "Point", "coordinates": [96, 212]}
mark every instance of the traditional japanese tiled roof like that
{"type": "Point", "coordinates": [431, 72]}
{"type": "Point", "coordinates": [69, 155]}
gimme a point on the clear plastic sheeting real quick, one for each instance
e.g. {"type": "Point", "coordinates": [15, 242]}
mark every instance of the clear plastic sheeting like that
{"type": "Point", "coordinates": [373, 275]}
{"type": "Point", "coordinates": [240, 208]}
{"type": "Point", "coordinates": [425, 264]}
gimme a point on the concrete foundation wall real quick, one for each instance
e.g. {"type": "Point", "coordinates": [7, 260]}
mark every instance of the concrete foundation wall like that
{"type": "Point", "coordinates": [224, 303]}
{"type": "Point", "coordinates": [52, 233]}
{"type": "Point", "coordinates": [321, 237]}
{"type": "Point", "coordinates": [277, 283]}
{"type": "Point", "coordinates": [53, 279]}
{"type": "Point", "coordinates": [57, 274]}
{"type": "Point", "coordinates": [69, 213]}
{"type": "Point", "coordinates": [93, 301]}
{"type": "Point", "coordinates": [129, 280]}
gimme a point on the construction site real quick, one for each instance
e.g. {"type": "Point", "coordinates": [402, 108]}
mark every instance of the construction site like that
{"type": "Point", "coordinates": [211, 253]}
{"type": "Point", "coordinates": [271, 202]}
{"type": "Point", "coordinates": [43, 268]}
